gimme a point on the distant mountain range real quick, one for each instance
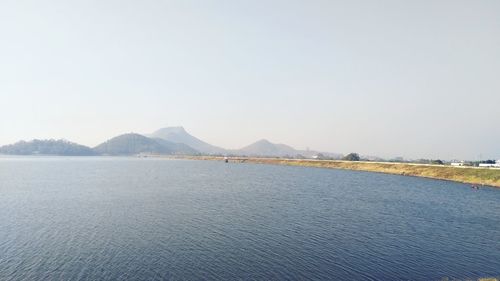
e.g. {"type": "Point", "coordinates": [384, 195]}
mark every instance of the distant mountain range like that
{"type": "Point", "coordinates": [165, 141]}
{"type": "Point", "coordinates": [261, 148]}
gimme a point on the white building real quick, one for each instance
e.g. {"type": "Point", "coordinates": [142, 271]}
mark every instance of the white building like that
{"type": "Point", "coordinates": [496, 165]}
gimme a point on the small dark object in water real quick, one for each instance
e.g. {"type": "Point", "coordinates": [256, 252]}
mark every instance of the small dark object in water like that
{"type": "Point", "coordinates": [475, 187]}
{"type": "Point", "coordinates": [226, 160]}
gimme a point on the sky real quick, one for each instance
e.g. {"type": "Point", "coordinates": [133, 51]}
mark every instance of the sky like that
{"type": "Point", "coordinates": [418, 79]}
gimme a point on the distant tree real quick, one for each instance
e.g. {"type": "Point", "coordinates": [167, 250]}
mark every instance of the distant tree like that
{"type": "Point", "coordinates": [351, 157]}
{"type": "Point", "coordinates": [437, 162]}
{"type": "Point", "coordinates": [422, 161]}
{"type": "Point", "coordinates": [397, 159]}
{"type": "Point", "coordinates": [488, 162]}
{"type": "Point", "coordinates": [320, 156]}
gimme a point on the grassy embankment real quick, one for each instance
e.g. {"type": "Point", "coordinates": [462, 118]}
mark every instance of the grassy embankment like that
{"type": "Point", "coordinates": [470, 175]}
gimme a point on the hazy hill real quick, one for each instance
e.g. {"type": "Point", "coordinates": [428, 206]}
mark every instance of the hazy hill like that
{"type": "Point", "coordinates": [47, 147]}
{"type": "Point", "coordinates": [178, 148]}
{"type": "Point", "coordinates": [168, 141]}
{"type": "Point", "coordinates": [267, 148]}
{"type": "Point", "coordinates": [179, 135]}
{"type": "Point", "coordinates": [130, 144]}
{"type": "Point", "coordinates": [259, 148]}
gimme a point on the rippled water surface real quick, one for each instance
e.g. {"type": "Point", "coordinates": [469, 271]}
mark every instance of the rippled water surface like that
{"type": "Point", "coordinates": [152, 219]}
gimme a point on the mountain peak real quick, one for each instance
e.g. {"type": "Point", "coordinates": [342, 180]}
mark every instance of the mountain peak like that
{"type": "Point", "coordinates": [263, 141]}
{"type": "Point", "coordinates": [175, 129]}
{"type": "Point", "coordinates": [180, 135]}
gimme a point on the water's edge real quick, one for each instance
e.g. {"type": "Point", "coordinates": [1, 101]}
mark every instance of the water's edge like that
{"type": "Point", "coordinates": [468, 175]}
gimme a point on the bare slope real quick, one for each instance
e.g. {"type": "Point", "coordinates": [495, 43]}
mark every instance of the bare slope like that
{"type": "Point", "coordinates": [179, 135]}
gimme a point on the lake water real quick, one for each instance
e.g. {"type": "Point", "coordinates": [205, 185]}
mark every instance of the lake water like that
{"type": "Point", "coordinates": [151, 219]}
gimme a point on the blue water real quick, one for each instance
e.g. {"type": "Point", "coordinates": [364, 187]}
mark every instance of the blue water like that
{"type": "Point", "coordinates": [151, 219]}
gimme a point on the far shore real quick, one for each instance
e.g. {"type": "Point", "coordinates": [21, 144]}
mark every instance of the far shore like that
{"type": "Point", "coordinates": [475, 176]}
{"type": "Point", "coordinates": [470, 175]}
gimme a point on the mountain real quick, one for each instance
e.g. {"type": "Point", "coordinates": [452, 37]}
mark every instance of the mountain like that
{"type": "Point", "coordinates": [47, 147]}
{"type": "Point", "coordinates": [267, 148]}
{"type": "Point", "coordinates": [168, 141]}
{"type": "Point", "coordinates": [179, 135]}
{"type": "Point", "coordinates": [130, 144]}
{"type": "Point", "coordinates": [178, 148]}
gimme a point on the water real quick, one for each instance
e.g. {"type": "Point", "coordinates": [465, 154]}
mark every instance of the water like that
{"type": "Point", "coordinates": [151, 219]}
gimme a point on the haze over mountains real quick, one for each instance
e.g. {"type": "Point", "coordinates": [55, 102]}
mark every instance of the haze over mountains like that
{"type": "Point", "coordinates": [165, 141]}
{"type": "Point", "coordinates": [179, 135]}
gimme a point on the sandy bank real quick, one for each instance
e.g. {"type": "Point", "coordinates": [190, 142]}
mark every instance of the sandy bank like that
{"type": "Point", "coordinates": [471, 175]}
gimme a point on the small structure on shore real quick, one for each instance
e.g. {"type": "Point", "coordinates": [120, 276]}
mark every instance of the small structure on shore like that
{"type": "Point", "coordinates": [459, 164]}
{"type": "Point", "coordinates": [490, 165]}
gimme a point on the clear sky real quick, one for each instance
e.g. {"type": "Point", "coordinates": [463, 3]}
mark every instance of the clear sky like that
{"type": "Point", "coordinates": [388, 78]}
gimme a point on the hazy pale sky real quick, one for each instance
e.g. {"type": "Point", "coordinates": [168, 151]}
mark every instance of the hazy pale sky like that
{"type": "Point", "coordinates": [389, 78]}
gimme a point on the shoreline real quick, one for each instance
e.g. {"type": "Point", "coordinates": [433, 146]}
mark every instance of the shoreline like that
{"type": "Point", "coordinates": [476, 176]}
{"type": "Point", "coordinates": [466, 175]}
